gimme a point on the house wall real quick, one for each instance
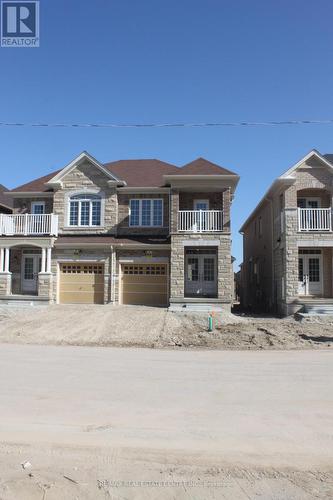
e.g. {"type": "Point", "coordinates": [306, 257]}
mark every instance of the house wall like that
{"type": "Point", "coordinates": [123, 227]}
{"type": "Point", "coordinates": [86, 178]}
{"type": "Point", "coordinates": [311, 179]}
{"type": "Point", "coordinates": [257, 269]}
{"type": "Point", "coordinates": [24, 205]}
{"type": "Point", "coordinates": [225, 271]}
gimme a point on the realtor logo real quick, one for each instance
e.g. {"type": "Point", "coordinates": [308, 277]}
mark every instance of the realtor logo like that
{"type": "Point", "coordinates": [19, 24]}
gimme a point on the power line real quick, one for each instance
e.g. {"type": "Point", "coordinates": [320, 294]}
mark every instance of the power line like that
{"type": "Point", "coordinates": [168, 125]}
{"type": "Point", "coordinates": [161, 125]}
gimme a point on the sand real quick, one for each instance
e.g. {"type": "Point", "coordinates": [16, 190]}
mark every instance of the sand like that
{"type": "Point", "coordinates": [130, 326]}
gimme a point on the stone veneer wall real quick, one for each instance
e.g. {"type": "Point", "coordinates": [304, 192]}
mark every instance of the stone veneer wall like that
{"type": "Point", "coordinates": [45, 288]}
{"type": "Point", "coordinates": [225, 275]}
{"type": "Point", "coordinates": [315, 181]}
{"type": "Point", "coordinates": [88, 178]}
{"type": "Point", "coordinates": [5, 284]}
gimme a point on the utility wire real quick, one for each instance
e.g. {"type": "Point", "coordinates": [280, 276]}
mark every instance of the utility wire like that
{"type": "Point", "coordinates": [168, 125]}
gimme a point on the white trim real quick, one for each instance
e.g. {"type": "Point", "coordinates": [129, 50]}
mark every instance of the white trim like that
{"type": "Point", "coordinates": [84, 156]}
{"type": "Point", "coordinates": [201, 243]}
{"type": "Point", "coordinates": [200, 201]}
{"type": "Point", "coordinates": [83, 192]}
{"type": "Point", "coordinates": [140, 200]}
{"type": "Point", "coordinates": [309, 198]}
{"type": "Point", "coordinates": [37, 203]}
{"type": "Point", "coordinates": [313, 152]}
{"type": "Point", "coordinates": [284, 179]}
{"type": "Point", "coordinates": [321, 272]}
{"type": "Point", "coordinates": [143, 260]}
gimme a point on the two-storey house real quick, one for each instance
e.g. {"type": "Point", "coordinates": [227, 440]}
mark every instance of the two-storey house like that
{"type": "Point", "coordinates": [128, 232]}
{"type": "Point", "coordinates": [288, 241]}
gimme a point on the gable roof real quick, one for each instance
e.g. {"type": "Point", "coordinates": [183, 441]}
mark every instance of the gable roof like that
{"type": "Point", "coordinates": [313, 152]}
{"type": "Point", "coordinates": [287, 178]}
{"type": "Point", "coordinates": [142, 173]}
{"type": "Point", "coordinates": [5, 201]}
{"type": "Point", "coordinates": [81, 158]}
{"type": "Point", "coordinates": [37, 185]}
{"type": "Point", "coordinates": [133, 173]}
{"type": "Point", "coordinates": [201, 166]}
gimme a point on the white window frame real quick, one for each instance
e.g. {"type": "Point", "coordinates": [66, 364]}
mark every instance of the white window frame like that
{"type": "Point", "coordinates": [140, 200]}
{"type": "Point", "coordinates": [200, 201]}
{"type": "Point", "coordinates": [35, 204]}
{"type": "Point", "coordinates": [311, 198]}
{"type": "Point", "coordinates": [70, 200]}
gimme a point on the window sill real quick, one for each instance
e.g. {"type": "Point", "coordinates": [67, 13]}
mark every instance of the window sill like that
{"type": "Point", "coordinates": [82, 228]}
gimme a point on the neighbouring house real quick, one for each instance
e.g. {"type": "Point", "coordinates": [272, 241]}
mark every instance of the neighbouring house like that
{"type": "Point", "coordinates": [128, 232]}
{"type": "Point", "coordinates": [288, 242]}
{"type": "Point", "coordinates": [6, 203]}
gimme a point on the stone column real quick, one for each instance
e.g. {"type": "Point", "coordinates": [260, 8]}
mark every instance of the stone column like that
{"type": "Point", "coordinates": [45, 277]}
{"type": "Point", "coordinates": [226, 203]}
{"type": "Point", "coordinates": [174, 199]}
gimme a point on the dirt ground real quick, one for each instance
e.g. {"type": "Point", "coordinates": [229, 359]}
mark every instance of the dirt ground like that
{"type": "Point", "coordinates": [131, 326]}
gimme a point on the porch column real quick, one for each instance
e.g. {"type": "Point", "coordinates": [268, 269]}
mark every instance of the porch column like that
{"type": "Point", "coordinates": [6, 269]}
{"type": "Point", "coordinates": [48, 260]}
{"type": "Point", "coordinates": [43, 267]}
{"type": "Point", "coordinates": [2, 259]}
{"type": "Point", "coordinates": [5, 275]}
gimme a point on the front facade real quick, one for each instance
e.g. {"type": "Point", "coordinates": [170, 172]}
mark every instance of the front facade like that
{"type": "Point", "coordinates": [127, 232]}
{"type": "Point", "coordinates": [288, 241]}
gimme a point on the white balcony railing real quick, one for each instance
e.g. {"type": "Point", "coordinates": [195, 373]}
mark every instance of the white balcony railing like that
{"type": "Point", "coordinates": [200, 221]}
{"type": "Point", "coordinates": [314, 219]}
{"type": "Point", "coordinates": [28, 225]}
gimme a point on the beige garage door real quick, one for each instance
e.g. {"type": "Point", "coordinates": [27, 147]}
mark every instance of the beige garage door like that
{"type": "Point", "coordinates": [145, 284]}
{"type": "Point", "coordinates": [82, 283]}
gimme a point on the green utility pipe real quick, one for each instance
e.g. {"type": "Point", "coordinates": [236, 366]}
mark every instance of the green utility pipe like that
{"type": "Point", "coordinates": [210, 323]}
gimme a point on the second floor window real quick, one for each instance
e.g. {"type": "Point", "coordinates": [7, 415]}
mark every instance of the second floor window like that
{"type": "Point", "coordinates": [85, 210]}
{"type": "Point", "coordinates": [146, 212]}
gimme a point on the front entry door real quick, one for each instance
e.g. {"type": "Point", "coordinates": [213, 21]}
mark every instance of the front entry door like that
{"type": "Point", "coordinates": [200, 275]}
{"type": "Point", "coordinates": [31, 266]}
{"type": "Point", "coordinates": [309, 275]}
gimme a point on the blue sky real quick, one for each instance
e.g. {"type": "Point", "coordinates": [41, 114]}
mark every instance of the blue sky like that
{"type": "Point", "coordinates": [172, 61]}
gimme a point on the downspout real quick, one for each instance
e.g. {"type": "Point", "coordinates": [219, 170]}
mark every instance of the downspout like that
{"type": "Point", "coordinates": [112, 275]}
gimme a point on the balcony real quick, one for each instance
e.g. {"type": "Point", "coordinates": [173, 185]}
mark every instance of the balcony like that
{"type": "Point", "coordinates": [29, 225]}
{"type": "Point", "coordinates": [314, 219]}
{"type": "Point", "coordinates": [200, 221]}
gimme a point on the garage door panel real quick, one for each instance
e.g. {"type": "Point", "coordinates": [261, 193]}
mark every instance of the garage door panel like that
{"type": "Point", "coordinates": [141, 299]}
{"type": "Point", "coordinates": [86, 287]}
{"type": "Point", "coordinates": [145, 284]}
{"type": "Point", "coordinates": [81, 298]}
{"type": "Point", "coordinates": [145, 288]}
{"type": "Point", "coordinates": [82, 283]}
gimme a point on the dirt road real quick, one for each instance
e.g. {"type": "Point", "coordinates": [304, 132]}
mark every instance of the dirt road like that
{"type": "Point", "coordinates": [199, 424]}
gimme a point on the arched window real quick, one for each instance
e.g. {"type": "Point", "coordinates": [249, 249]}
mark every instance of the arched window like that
{"type": "Point", "coordinates": [85, 210]}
